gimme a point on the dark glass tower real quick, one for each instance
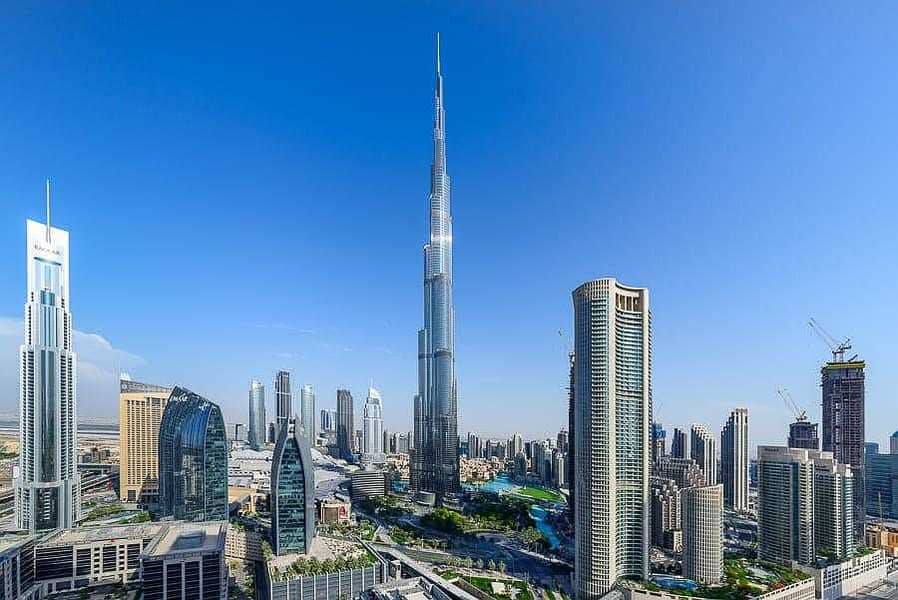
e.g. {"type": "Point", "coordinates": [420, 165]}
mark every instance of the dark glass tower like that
{"type": "Point", "coordinates": [843, 425]}
{"type": "Point", "coordinates": [193, 459]}
{"type": "Point", "coordinates": [434, 465]}
{"type": "Point", "coordinates": [292, 493]}
{"type": "Point", "coordinates": [345, 424]}
{"type": "Point", "coordinates": [283, 398]}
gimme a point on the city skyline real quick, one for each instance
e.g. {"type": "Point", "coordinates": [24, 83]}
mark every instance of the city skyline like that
{"type": "Point", "coordinates": [137, 338]}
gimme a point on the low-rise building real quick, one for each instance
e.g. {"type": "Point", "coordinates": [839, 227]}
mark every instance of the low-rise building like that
{"type": "Point", "coordinates": [367, 484]}
{"type": "Point", "coordinates": [847, 577]}
{"type": "Point", "coordinates": [186, 560]}
{"type": "Point", "coordinates": [243, 544]}
{"type": "Point", "coordinates": [17, 567]}
{"type": "Point", "coordinates": [333, 511]}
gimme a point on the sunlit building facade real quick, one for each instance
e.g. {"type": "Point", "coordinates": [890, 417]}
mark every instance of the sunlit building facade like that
{"type": "Point", "coordinates": [140, 416]}
{"type": "Point", "coordinates": [257, 422]}
{"type": "Point", "coordinates": [48, 487]}
{"type": "Point", "coordinates": [193, 459]}
{"type": "Point", "coordinates": [292, 494]}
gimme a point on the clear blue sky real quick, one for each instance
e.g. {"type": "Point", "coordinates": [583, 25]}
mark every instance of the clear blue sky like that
{"type": "Point", "coordinates": [246, 191]}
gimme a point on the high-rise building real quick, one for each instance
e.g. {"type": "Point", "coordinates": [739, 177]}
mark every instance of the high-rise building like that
{"type": "Point", "coordinates": [48, 487]}
{"type": "Point", "coordinates": [685, 472]}
{"type": "Point", "coordinates": [283, 399]}
{"type": "Point", "coordinates": [803, 434]}
{"type": "Point", "coordinates": [679, 448]}
{"type": "Point", "coordinates": [475, 446]}
{"type": "Point", "coordinates": [871, 448]}
{"type": "Point", "coordinates": [843, 425]}
{"type": "Point", "coordinates": [659, 446]}
{"type": "Point", "coordinates": [140, 416]}
{"type": "Point", "coordinates": [571, 429]}
{"type": "Point", "coordinates": [702, 518]}
{"type": "Point", "coordinates": [257, 420]}
{"type": "Point", "coordinates": [665, 507]}
{"type": "Point", "coordinates": [193, 459]}
{"type": "Point", "coordinates": [734, 460]}
{"type": "Point", "coordinates": [307, 413]}
{"type": "Point", "coordinates": [373, 425]}
{"type": "Point", "coordinates": [292, 493]}
{"type": "Point", "coordinates": [516, 444]}
{"type": "Point", "coordinates": [328, 420]}
{"type": "Point", "coordinates": [434, 463]}
{"type": "Point", "coordinates": [702, 451]}
{"type": "Point", "coordinates": [345, 424]}
{"type": "Point", "coordinates": [559, 465]}
{"type": "Point", "coordinates": [613, 405]}
{"type": "Point", "coordinates": [893, 443]}
{"type": "Point", "coordinates": [562, 441]}
{"type": "Point", "coordinates": [882, 485]}
{"type": "Point", "coordinates": [804, 505]}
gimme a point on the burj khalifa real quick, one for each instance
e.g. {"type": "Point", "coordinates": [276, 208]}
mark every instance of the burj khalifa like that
{"type": "Point", "coordinates": [435, 457]}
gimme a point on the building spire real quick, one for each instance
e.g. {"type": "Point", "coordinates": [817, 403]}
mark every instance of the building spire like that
{"type": "Point", "coordinates": [438, 53]}
{"type": "Point", "coordinates": [48, 209]}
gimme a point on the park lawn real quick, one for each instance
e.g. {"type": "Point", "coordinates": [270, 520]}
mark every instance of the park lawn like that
{"type": "Point", "coordinates": [483, 583]}
{"type": "Point", "coordinates": [540, 494]}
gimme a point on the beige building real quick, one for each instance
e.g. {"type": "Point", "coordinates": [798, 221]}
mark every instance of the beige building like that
{"type": "Point", "coordinates": [702, 520]}
{"type": "Point", "coordinates": [140, 414]}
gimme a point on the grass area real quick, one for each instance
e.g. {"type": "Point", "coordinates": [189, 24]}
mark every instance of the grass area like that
{"type": "Point", "coordinates": [742, 580]}
{"type": "Point", "coordinates": [483, 583]}
{"type": "Point", "coordinates": [541, 494]}
{"type": "Point", "coordinates": [104, 512]}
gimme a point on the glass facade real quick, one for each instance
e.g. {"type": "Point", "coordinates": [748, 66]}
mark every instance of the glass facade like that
{"type": "Point", "coordinates": [257, 427]}
{"type": "Point", "coordinates": [434, 464]}
{"type": "Point", "coordinates": [292, 494]}
{"type": "Point", "coordinates": [193, 459]}
{"type": "Point", "coordinates": [47, 488]}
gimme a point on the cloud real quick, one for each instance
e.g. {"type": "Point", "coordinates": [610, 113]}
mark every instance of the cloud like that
{"type": "Point", "coordinates": [99, 366]}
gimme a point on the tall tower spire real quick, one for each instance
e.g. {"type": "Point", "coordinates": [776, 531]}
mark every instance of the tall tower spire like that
{"type": "Point", "coordinates": [48, 209]}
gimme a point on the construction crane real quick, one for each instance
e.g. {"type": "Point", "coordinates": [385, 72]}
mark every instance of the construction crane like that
{"type": "Point", "coordinates": [837, 348]}
{"type": "Point", "coordinates": [800, 413]}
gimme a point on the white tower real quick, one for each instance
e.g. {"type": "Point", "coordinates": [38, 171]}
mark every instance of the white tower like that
{"type": "Point", "coordinates": [47, 485]}
{"type": "Point", "coordinates": [373, 426]}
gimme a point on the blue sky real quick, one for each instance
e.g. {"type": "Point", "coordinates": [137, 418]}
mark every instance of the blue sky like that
{"type": "Point", "coordinates": [246, 191]}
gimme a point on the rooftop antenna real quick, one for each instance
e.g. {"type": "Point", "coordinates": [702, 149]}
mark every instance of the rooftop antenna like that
{"type": "Point", "coordinates": [48, 210]}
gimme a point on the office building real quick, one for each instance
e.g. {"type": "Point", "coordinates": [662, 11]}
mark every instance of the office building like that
{"type": "Point", "coordinates": [679, 447]}
{"type": "Point", "coordinates": [871, 448]}
{"type": "Point", "coordinates": [562, 441]}
{"type": "Point", "coordinates": [345, 425]}
{"type": "Point", "coordinates": [612, 345]}
{"type": "Point", "coordinates": [434, 461]}
{"type": "Point", "coordinates": [283, 396]}
{"type": "Point", "coordinates": [257, 421]}
{"type": "Point", "coordinates": [702, 519]}
{"type": "Point", "coordinates": [882, 485]}
{"type": "Point", "coordinates": [272, 433]}
{"type": "Point", "coordinates": [366, 484]}
{"type": "Point", "coordinates": [193, 459]}
{"type": "Point", "coordinates": [571, 429]}
{"type": "Point", "coordinates": [17, 567]}
{"type": "Point", "coordinates": [703, 452]}
{"type": "Point", "coordinates": [843, 425]}
{"type": "Point", "coordinates": [734, 460]}
{"type": "Point", "coordinates": [48, 487]}
{"type": "Point", "coordinates": [893, 443]}
{"type": "Point", "coordinates": [804, 505]}
{"type": "Point", "coordinates": [559, 468]}
{"type": "Point", "coordinates": [803, 434]}
{"type": "Point", "coordinates": [140, 416]}
{"type": "Point", "coordinates": [328, 420]}
{"type": "Point", "coordinates": [373, 426]}
{"type": "Point", "coordinates": [186, 561]}
{"type": "Point", "coordinates": [659, 441]}
{"type": "Point", "coordinates": [475, 446]}
{"type": "Point", "coordinates": [307, 413]}
{"type": "Point", "coordinates": [292, 493]}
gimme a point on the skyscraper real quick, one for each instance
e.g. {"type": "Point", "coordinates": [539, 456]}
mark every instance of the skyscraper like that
{"type": "Point", "coordinates": [893, 443]}
{"type": "Point", "coordinates": [292, 493]}
{"type": "Point", "coordinates": [843, 425]}
{"type": "Point", "coordinates": [48, 487]}
{"type": "Point", "coordinates": [803, 434]}
{"type": "Point", "coordinates": [612, 439]}
{"type": "Point", "coordinates": [307, 412]}
{"type": "Point", "coordinates": [515, 444]}
{"type": "Point", "coordinates": [804, 505]}
{"type": "Point", "coordinates": [345, 424]}
{"type": "Point", "coordinates": [678, 446]}
{"type": "Point", "coordinates": [140, 416]}
{"type": "Point", "coordinates": [734, 460]}
{"type": "Point", "coordinates": [373, 425]}
{"type": "Point", "coordinates": [434, 463]}
{"type": "Point", "coordinates": [702, 451]}
{"type": "Point", "coordinates": [257, 420]}
{"type": "Point", "coordinates": [193, 459]}
{"type": "Point", "coordinates": [659, 439]}
{"type": "Point", "coordinates": [283, 398]}
{"type": "Point", "coordinates": [702, 519]}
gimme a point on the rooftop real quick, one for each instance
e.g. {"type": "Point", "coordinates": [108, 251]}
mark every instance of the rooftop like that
{"type": "Point", "coordinates": [11, 539]}
{"type": "Point", "coordinates": [189, 537]}
{"type": "Point", "coordinates": [85, 535]}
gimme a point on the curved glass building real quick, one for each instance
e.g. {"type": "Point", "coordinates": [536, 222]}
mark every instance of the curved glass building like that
{"type": "Point", "coordinates": [434, 465]}
{"type": "Point", "coordinates": [193, 459]}
{"type": "Point", "coordinates": [292, 493]}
